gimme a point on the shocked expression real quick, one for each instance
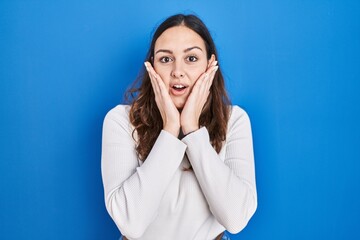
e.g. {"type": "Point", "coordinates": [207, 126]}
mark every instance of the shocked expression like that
{"type": "Point", "coordinates": [180, 58]}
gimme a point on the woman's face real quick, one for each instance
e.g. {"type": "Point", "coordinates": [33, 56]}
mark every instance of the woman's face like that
{"type": "Point", "coordinates": [180, 58]}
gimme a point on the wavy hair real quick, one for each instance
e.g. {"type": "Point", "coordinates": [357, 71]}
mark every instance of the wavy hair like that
{"type": "Point", "coordinates": [144, 113]}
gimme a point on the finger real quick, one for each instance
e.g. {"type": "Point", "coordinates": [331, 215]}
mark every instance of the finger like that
{"type": "Point", "coordinates": [160, 85]}
{"type": "Point", "coordinates": [211, 78]}
{"type": "Point", "coordinates": [151, 77]}
{"type": "Point", "coordinates": [200, 82]}
{"type": "Point", "coordinates": [211, 60]}
{"type": "Point", "coordinates": [199, 89]}
{"type": "Point", "coordinates": [205, 80]}
{"type": "Point", "coordinates": [156, 76]}
{"type": "Point", "coordinates": [148, 72]}
{"type": "Point", "coordinates": [154, 82]}
{"type": "Point", "coordinates": [208, 73]}
{"type": "Point", "coordinates": [159, 82]}
{"type": "Point", "coordinates": [213, 63]}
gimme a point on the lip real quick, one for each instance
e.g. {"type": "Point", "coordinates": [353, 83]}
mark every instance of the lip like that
{"type": "Point", "coordinates": [178, 92]}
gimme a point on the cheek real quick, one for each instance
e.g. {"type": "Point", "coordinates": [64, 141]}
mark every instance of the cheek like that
{"type": "Point", "coordinates": [194, 74]}
{"type": "Point", "coordinates": [163, 72]}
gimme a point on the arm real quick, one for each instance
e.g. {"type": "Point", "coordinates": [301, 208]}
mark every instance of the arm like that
{"type": "Point", "coordinates": [229, 185]}
{"type": "Point", "coordinates": [133, 193]}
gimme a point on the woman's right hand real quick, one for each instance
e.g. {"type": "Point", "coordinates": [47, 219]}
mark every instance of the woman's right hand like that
{"type": "Point", "coordinates": [169, 113]}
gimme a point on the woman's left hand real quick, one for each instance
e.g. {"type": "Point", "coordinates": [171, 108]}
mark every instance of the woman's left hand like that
{"type": "Point", "coordinates": [189, 119]}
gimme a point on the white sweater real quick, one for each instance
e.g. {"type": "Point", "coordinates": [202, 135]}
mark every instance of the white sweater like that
{"type": "Point", "coordinates": [156, 199]}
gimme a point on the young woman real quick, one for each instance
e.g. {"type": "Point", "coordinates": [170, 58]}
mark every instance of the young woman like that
{"type": "Point", "coordinates": [177, 163]}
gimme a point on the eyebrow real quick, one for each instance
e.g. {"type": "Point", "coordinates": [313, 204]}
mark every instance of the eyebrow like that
{"type": "Point", "coordinates": [171, 52]}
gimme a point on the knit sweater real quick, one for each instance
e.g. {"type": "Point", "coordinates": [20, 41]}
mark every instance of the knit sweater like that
{"type": "Point", "coordinates": [157, 199]}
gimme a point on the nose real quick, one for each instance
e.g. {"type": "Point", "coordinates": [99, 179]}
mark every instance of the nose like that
{"type": "Point", "coordinates": [177, 71]}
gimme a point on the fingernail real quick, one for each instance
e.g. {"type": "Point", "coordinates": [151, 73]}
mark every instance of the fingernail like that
{"type": "Point", "coordinates": [146, 66]}
{"type": "Point", "coordinates": [215, 63]}
{"type": "Point", "coordinates": [216, 68]}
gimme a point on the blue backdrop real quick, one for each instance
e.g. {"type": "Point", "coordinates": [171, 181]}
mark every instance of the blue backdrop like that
{"type": "Point", "coordinates": [294, 66]}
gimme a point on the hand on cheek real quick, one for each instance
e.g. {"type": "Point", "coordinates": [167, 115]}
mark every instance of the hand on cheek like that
{"type": "Point", "coordinates": [191, 112]}
{"type": "Point", "coordinates": [169, 113]}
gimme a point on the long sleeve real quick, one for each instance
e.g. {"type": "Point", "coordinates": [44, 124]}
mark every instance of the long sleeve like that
{"type": "Point", "coordinates": [132, 192]}
{"type": "Point", "coordinates": [229, 184]}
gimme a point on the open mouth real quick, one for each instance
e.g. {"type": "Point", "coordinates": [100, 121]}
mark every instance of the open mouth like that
{"type": "Point", "coordinates": [178, 87]}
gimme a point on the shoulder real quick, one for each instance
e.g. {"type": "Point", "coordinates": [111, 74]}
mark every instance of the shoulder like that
{"type": "Point", "coordinates": [118, 113]}
{"type": "Point", "coordinates": [238, 118]}
{"type": "Point", "coordinates": [118, 118]}
{"type": "Point", "coordinates": [236, 113]}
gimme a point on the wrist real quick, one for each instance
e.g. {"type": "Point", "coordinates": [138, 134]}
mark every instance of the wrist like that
{"type": "Point", "coordinates": [189, 129]}
{"type": "Point", "coordinates": [172, 130]}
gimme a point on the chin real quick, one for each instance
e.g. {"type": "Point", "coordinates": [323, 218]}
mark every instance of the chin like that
{"type": "Point", "coordinates": [179, 103]}
{"type": "Point", "coordinates": [180, 107]}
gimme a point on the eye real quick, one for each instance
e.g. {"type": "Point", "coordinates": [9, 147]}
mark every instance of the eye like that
{"type": "Point", "coordinates": [192, 58]}
{"type": "Point", "coordinates": [165, 59]}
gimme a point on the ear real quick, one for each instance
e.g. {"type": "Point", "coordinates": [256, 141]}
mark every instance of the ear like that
{"type": "Point", "coordinates": [211, 60]}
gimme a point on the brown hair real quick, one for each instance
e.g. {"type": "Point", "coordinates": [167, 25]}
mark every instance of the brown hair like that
{"type": "Point", "coordinates": [144, 114]}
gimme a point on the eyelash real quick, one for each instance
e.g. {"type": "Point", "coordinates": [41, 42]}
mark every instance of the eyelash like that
{"type": "Point", "coordinates": [192, 56]}
{"type": "Point", "coordinates": [162, 59]}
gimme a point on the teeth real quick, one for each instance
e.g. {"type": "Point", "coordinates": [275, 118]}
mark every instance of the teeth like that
{"type": "Point", "coordinates": [178, 86]}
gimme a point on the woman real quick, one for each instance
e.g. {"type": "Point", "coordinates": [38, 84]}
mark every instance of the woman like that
{"type": "Point", "coordinates": [177, 163]}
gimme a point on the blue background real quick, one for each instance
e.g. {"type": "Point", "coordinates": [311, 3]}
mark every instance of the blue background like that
{"type": "Point", "coordinates": [294, 66]}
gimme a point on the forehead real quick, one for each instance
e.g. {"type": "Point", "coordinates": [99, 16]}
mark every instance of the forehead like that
{"type": "Point", "coordinates": [179, 37]}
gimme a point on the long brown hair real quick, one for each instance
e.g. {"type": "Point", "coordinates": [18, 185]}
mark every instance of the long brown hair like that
{"type": "Point", "coordinates": [144, 113]}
